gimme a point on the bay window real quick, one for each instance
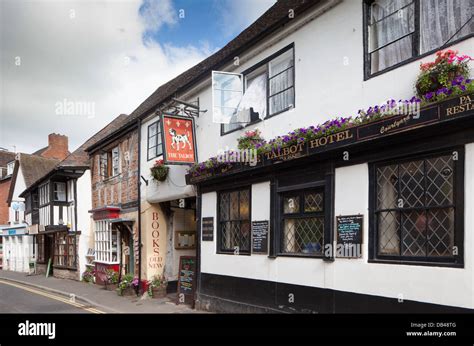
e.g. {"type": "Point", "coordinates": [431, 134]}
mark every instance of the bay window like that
{"type": "Point", "coordinates": [59, 192]}
{"type": "Point", "coordinates": [107, 242]}
{"type": "Point", "coordinates": [399, 30]}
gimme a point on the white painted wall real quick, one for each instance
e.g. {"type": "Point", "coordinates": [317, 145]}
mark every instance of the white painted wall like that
{"type": "Point", "coordinates": [447, 286]}
{"type": "Point", "coordinates": [84, 223]}
{"type": "Point", "coordinates": [19, 187]}
{"type": "Point", "coordinates": [17, 253]}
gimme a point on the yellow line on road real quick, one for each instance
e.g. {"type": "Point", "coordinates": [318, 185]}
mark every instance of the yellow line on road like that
{"type": "Point", "coordinates": [51, 296]}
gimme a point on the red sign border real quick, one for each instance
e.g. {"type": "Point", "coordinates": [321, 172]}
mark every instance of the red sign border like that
{"type": "Point", "coordinates": [163, 138]}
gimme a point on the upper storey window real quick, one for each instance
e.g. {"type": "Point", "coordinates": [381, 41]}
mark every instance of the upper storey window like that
{"type": "Point", "coordinates": [399, 31]}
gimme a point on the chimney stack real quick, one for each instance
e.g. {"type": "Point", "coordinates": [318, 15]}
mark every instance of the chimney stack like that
{"type": "Point", "coordinates": [57, 147]}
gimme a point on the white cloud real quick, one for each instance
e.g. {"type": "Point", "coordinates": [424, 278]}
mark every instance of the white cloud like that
{"type": "Point", "coordinates": [88, 51]}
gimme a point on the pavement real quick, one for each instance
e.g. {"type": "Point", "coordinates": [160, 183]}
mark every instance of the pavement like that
{"type": "Point", "coordinates": [95, 295]}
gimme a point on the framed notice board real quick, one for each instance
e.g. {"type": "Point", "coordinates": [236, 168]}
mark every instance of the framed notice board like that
{"type": "Point", "coordinates": [186, 277]}
{"type": "Point", "coordinates": [207, 229]}
{"type": "Point", "coordinates": [349, 236]}
{"type": "Point", "coordinates": [260, 237]}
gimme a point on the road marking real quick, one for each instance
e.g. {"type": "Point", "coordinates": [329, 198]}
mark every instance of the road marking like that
{"type": "Point", "coordinates": [51, 296]}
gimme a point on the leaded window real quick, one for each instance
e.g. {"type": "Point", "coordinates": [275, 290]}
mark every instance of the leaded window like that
{"type": "Point", "coordinates": [415, 208]}
{"type": "Point", "coordinates": [302, 222]}
{"type": "Point", "coordinates": [234, 221]}
{"type": "Point", "coordinates": [65, 250]}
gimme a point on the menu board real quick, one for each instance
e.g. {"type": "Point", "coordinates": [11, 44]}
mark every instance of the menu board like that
{"type": "Point", "coordinates": [187, 271]}
{"type": "Point", "coordinates": [349, 236]}
{"type": "Point", "coordinates": [207, 229]}
{"type": "Point", "coordinates": [260, 236]}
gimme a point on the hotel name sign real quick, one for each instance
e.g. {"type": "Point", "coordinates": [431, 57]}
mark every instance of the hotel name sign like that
{"type": "Point", "coordinates": [458, 107]}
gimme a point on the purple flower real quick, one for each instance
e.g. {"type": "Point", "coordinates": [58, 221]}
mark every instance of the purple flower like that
{"type": "Point", "coordinates": [429, 95]}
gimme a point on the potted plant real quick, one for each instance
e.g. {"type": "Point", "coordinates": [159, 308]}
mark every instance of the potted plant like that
{"type": "Point", "coordinates": [159, 171]}
{"type": "Point", "coordinates": [125, 286]}
{"type": "Point", "coordinates": [111, 280]}
{"type": "Point", "coordinates": [89, 275]}
{"type": "Point", "coordinates": [250, 140]}
{"type": "Point", "coordinates": [157, 287]}
{"type": "Point", "coordinates": [442, 72]}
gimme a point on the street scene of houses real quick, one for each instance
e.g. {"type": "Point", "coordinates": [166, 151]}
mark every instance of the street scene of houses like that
{"type": "Point", "coordinates": [310, 157]}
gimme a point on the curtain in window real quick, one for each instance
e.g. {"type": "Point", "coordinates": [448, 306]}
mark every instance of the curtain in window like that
{"type": "Point", "coordinates": [390, 20]}
{"type": "Point", "coordinates": [281, 93]}
{"type": "Point", "coordinates": [441, 19]}
{"type": "Point", "coordinates": [254, 97]}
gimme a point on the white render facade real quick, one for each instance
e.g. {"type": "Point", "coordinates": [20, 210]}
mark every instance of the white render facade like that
{"type": "Point", "coordinates": [328, 44]}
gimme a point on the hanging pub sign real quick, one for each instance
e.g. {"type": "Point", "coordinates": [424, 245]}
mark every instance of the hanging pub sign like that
{"type": "Point", "coordinates": [179, 139]}
{"type": "Point", "coordinates": [349, 236]}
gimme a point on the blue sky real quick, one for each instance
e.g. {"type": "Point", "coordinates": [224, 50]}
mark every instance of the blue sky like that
{"type": "Point", "coordinates": [195, 22]}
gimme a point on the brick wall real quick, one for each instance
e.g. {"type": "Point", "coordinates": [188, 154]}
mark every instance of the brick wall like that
{"type": "Point", "coordinates": [4, 188]}
{"type": "Point", "coordinates": [121, 189]}
{"type": "Point", "coordinates": [57, 147]}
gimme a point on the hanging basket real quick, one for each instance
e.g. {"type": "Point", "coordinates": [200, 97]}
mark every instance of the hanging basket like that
{"type": "Point", "coordinates": [159, 172]}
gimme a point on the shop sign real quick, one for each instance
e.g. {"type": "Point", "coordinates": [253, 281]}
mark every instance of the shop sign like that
{"type": "Point", "coordinates": [397, 124]}
{"type": "Point", "coordinates": [287, 153]}
{"type": "Point", "coordinates": [333, 140]}
{"type": "Point", "coordinates": [457, 107]}
{"type": "Point", "coordinates": [155, 261]}
{"type": "Point", "coordinates": [207, 229]}
{"type": "Point", "coordinates": [349, 236]}
{"type": "Point", "coordinates": [179, 139]}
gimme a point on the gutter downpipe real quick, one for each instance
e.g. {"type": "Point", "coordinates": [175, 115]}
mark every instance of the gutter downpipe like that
{"type": "Point", "coordinates": [139, 129]}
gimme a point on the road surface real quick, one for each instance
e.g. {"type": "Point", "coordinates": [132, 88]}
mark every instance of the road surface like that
{"type": "Point", "coordinates": [18, 298]}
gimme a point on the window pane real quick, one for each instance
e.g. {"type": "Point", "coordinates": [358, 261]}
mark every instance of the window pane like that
{"type": "Point", "coordinates": [282, 101]}
{"type": "Point", "coordinates": [291, 205]}
{"type": "Point", "coordinates": [390, 20]}
{"type": "Point", "coordinates": [441, 19]}
{"type": "Point", "coordinates": [224, 206]}
{"type": "Point", "coordinates": [151, 153]}
{"type": "Point", "coordinates": [281, 63]}
{"type": "Point", "coordinates": [226, 81]}
{"type": "Point", "coordinates": [152, 142]}
{"type": "Point", "coordinates": [244, 205]}
{"type": "Point", "coordinates": [392, 54]}
{"type": "Point", "coordinates": [387, 187]}
{"type": "Point", "coordinates": [412, 182]}
{"type": "Point", "coordinates": [281, 82]}
{"type": "Point", "coordinates": [234, 205]}
{"type": "Point", "coordinates": [440, 181]}
{"type": "Point", "coordinates": [388, 226]}
{"type": "Point", "coordinates": [152, 130]}
{"type": "Point", "coordinates": [414, 233]}
{"type": "Point", "coordinates": [303, 235]}
{"type": "Point", "coordinates": [230, 127]}
{"type": "Point", "coordinates": [441, 232]}
{"type": "Point", "coordinates": [313, 202]}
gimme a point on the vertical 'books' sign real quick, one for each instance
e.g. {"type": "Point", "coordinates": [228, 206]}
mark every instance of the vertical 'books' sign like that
{"type": "Point", "coordinates": [207, 229]}
{"type": "Point", "coordinates": [260, 237]}
{"type": "Point", "coordinates": [349, 236]}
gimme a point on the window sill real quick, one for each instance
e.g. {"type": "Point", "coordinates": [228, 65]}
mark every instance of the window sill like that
{"type": "Point", "coordinates": [418, 263]}
{"type": "Point", "coordinates": [242, 127]}
{"type": "Point", "coordinates": [301, 255]}
{"type": "Point", "coordinates": [277, 113]}
{"type": "Point", "coordinates": [233, 254]}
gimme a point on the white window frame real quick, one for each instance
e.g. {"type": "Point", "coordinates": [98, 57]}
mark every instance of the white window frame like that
{"type": "Point", "coordinates": [105, 252]}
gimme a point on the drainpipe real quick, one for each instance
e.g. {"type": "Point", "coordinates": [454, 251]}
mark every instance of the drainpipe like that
{"type": "Point", "coordinates": [139, 126]}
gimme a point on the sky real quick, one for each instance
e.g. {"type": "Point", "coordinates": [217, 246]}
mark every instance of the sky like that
{"type": "Point", "coordinates": [70, 67]}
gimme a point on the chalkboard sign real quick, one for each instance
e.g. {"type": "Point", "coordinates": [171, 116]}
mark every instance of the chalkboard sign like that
{"type": "Point", "coordinates": [207, 229]}
{"type": "Point", "coordinates": [260, 237]}
{"type": "Point", "coordinates": [187, 271]}
{"type": "Point", "coordinates": [349, 236]}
